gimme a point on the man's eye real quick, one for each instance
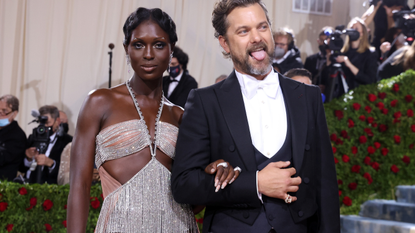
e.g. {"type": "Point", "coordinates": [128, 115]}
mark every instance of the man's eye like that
{"type": "Point", "coordinates": [242, 32]}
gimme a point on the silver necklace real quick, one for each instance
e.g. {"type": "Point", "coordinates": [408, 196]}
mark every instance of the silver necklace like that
{"type": "Point", "coordinates": [152, 150]}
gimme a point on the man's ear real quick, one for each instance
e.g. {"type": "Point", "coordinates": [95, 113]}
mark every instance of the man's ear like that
{"type": "Point", "coordinates": [224, 44]}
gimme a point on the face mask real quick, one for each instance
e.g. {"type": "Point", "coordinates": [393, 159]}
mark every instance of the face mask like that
{"type": "Point", "coordinates": [278, 52]}
{"type": "Point", "coordinates": [4, 122]}
{"type": "Point", "coordinates": [322, 49]}
{"type": "Point", "coordinates": [65, 127]}
{"type": "Point", "coordinates": [174, 71]}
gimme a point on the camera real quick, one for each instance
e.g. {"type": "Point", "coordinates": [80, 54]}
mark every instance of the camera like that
{"type": "Point", "coordinates": [389, 3]}
{"type": "Point", "coordinates": [41, 134]}
{"type": "Point", "coordinates": [404, 22]}
{"type": "Point", "coordinates": [336, 42]}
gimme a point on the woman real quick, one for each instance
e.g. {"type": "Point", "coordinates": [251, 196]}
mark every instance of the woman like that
{"type": "Point", "coordinates": [133, 128]}
{"type": "Point", "coordinates": [401, 60]}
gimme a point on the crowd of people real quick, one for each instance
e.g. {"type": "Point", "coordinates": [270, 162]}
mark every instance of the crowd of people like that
{"type": "Point", "coordinates": [230, 154]}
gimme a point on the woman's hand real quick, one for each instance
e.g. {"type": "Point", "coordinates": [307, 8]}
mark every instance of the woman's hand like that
{"type": "Point", "coordinates": [385, 46]}
{"type": "Point", "coordinates": [225, 173]}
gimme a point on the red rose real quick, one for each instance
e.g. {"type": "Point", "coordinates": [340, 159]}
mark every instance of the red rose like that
{"type": "Point", "coordinates": [336, 161]}
{"type": "Point", "coordinates": [394, 103]}
{"type": "Point", "coordinates": [344, 134]}
{"type": "Point", "coordinates": [385, 111]}
{"type": "Point", "coordinates": [9, 227]}
{"type": "Point", "coordinates": [369, 132]}
{"type": "Point", "coordinates": [48, 227]}
{"type": "Point", "coordinates": [33, 201]}
{"type": "Point", "coordinates": [413, 128]}
{"type": "Point", "coordinates": [406, 159]}
{"type": "Point", "coordinates": [408, 98]}
{"type": "Point", "coordinates": [371, 150]}
{"type": "Point", "coordinates": [410, 113]}
{"type": "Point", "coordinates": [411, 146]}
{"type": "Point", "coordinates": [371, 97]}
{"type": "Point", "coordinates": [377, 145]}
{"type": "Point", "coordinates": [382, 95]}
{"type": "Point", "coordinates": [64, 223]}
{"type": "Point", "coordinates": [355, 169]}
{"type": "Point", "coordinates": [376, 166]}
{"type": "Point", "coordinates": [370, 120]}
{"type": "Point", "coordinates": [22, 191]}
{"type": "Point", "coordinates": [394, 169]}
{"type": "Point", "coordinates": [362, 118]}
{"type": "Point", "coordinates": [384, 151]}
{"type": "Point", "coordinates": [350, 123]}
{"type": "Point", "coordinates": [333, 137]}
{"type": "Point", "coordinates": [3, 206]}
{"type": "Point", "coordinates": [339, 141]}
{"type": "Point", "coordinates": [395, 87]}
{"type": "Point", "coordinates": [362, 139]}
{"type": "Point", "coordinates": [368, 177]}
{"type": "Point", "coordinates": [340, 193]}
{"type": "Point", "coordinates": [65, 207]}
{"type": "Point", "coordinates": [339, 114]}
{"type": "Point", "coordinates": [352, 186]}
{"type": "Point", "coordinates": [368, 109]}
{"type": "Point", "coordinates": [334, 150]}
{"type": "Point", "coordinates": [356, 106]}
{"type": "Point", "coordinates": [95, 203]}
{"type": "Point", "coordinates": [397, 115]}
{"type": "Point", "coordinates": [396, 120]}
{"type": "Point", "coordinates": [397, 139]}
{"type": "Point", "coordinates": [382, 128]}
{"type": "Point", "coordinates": [339, 182]}
{"type": "Point", "coordinates": [380, 105]}
{"type": "Point", "coordinates": [367, 160]}
{"type": "Point", "coordinates": [374, 125]}
{"type": "Point", "coordinates": [47, 205]}
{"type": "Point", "coordinates": [354, 149]}
{"type": "Point", "coordinates": [347, 201]}
{"type": "Point", "coordinates": [345, 158]}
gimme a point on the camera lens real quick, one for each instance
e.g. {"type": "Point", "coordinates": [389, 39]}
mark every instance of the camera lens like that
{"type": "Point", "coordinates": [41, 129]}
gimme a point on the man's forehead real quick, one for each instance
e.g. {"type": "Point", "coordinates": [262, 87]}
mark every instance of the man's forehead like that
{"type": "Point", "coordinates": [246, 16]}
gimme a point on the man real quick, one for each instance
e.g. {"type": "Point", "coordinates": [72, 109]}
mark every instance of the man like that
{"type": "Point", "coordinates": [12, 138]}
{"type": "Point", "coordinates": [286, 54]}
{"type": "Point", "coordinates": [300, 75]}
{"type": "Point", "coordinates": [315, 62]}
{"type": "Point", "coordinates": [220, 78]}
{"type": "Point", "coordinates": [270, 127]}
{"type": "Point", "coordinates": [179, 83]}
{"type": "Point", "coordinates": [49, 161]}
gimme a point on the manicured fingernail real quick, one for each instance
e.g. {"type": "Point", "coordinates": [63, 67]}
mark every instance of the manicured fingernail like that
{"type": "Point", "coordinates": [217, 189]}
{"type": "Point", "coordinates": [224, 185]}
{"type": "Point", "coordinates": [216, 182]}
{"type": "Point", "coordinates": [233, 179]}
{"type": "Point", "coordinates": [213, 170]}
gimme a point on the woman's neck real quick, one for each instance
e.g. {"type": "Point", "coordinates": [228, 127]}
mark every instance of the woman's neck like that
{"type": "Point", "coordinates": [149, 88]}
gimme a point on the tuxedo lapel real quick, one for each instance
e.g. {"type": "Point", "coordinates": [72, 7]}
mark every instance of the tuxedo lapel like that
{"type": "Point", "coordinates": [233, 109]}
{"type": "Point", "coordinates": [295, 104]}
{"type": "Point", "coordinates": [178, 89]}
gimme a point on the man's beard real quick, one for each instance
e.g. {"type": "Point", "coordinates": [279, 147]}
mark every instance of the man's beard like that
{"type": "Point", "coordinates": [247, 67]}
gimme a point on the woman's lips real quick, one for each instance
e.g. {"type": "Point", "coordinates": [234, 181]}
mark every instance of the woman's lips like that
{"type": "Point", "coordinates": [149, 68]}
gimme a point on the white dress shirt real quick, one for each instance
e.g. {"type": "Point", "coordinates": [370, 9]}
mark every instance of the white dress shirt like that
{"type": "Point", "coordinates": [173, 85]}
{"type": "Point", "coordinates": [52, 142]}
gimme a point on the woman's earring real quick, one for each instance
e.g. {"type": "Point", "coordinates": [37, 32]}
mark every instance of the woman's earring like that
{"type": "Point", "coordinates": [168, 67]}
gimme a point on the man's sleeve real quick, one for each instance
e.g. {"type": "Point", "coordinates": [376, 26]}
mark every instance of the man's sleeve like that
{"type": "Point", "coordinates": [190, 184]}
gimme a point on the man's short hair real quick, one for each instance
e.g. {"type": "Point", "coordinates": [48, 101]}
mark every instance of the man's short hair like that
{"type": "Point", "coordinates": [285, 32]}
{"type": "Point", "coordinates": [49, 109]}
{"type": "Point", "coordinates": [224, 7]}
{"type": "Point", "coordinates": [181, 56]}
{"type": "Point", "coordinates": [11, 101]}
{"type": "Point", "coordinates": [298, 72]}
{"type": "Point", "coordinates": [326, 30]}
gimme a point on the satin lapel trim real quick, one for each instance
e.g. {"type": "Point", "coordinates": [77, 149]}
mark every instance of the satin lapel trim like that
{"type": "Point", "coordinates": [294, 95]}
{"type": "Point", "coordinates": [233, 109]}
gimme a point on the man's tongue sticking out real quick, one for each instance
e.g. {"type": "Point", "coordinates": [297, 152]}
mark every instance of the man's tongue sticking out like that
{"type": "Point", "coordinates": [259, 55]}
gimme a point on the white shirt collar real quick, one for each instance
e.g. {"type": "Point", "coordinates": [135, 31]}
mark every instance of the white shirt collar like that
{"type": "Point", "coordinates": [250, 85]}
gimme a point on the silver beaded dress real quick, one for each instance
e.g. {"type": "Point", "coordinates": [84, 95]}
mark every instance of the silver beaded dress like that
{"type": "Point", "coordinates": [145, 202]}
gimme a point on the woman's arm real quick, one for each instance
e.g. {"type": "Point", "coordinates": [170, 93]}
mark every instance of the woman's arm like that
{"type": "Point", "coordinates": [82, 159]}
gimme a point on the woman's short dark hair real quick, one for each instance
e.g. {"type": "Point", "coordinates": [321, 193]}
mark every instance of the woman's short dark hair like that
{"type": "Point", "coordinates": [143, 14]}
{"type": "Point", "coordinates": [181, 56]}
{"type": "Point", "coordinates": [224, 7]}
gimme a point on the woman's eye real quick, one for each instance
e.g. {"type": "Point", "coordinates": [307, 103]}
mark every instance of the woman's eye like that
{"type": "Point", "coordinates": [138, 46]}
{"type": "Point", "coordinates": [159, 45]}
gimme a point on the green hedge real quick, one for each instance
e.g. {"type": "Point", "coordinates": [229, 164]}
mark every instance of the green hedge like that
{"type": "Point", "coordinates": [372, 130]}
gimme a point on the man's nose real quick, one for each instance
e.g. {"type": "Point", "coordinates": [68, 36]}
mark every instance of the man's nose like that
{"type": "Point", "coordinates": [255, 36]}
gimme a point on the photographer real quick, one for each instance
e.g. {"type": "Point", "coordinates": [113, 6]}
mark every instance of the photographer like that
{"type": "Point", "coordinates": [49, 161]}
{"type": "Point", "coordinates": [401, 60]}
{"type": "Point", "coordinates": [357, 59]}
{"type": "Point", "coordinates": [12, 138]}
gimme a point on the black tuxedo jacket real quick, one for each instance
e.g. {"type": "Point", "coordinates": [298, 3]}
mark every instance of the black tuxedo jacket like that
{"type": "Point", "coordinates": [215, 126]}
{"type": "Point", "coordinates": [182, 90]}
{"type": "Point", "coordinates": [55, 154]}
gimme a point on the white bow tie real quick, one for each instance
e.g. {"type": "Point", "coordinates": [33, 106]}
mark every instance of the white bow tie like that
{"type": "Point", "coordinates": [269, 85]}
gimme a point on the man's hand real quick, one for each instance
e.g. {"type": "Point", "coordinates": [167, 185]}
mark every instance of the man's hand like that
{"type": "Point", "coordinates": [43, 160]}
{"type": "Point", "coordinates": [274, 181]}
{"type": "Point", "coordinates": [31, 153]}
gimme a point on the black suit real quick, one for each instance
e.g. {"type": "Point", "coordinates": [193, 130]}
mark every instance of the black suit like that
{"type": "Point", "coordinates": [51, 177]}
{"type": "Point", "coordinates": [12, 150]}
{"type": "Point", "coordinates": [215, 126]}
{"type": "Point", "coordinates": [182, 90]}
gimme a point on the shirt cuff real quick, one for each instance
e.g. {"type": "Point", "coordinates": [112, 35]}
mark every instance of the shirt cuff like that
{"type": "Point", "coordinates": [27, 163]}
{"type": "Point", "coordinates": [52, 167]}
{"type": "Point", "coordinates": [257, 191]}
